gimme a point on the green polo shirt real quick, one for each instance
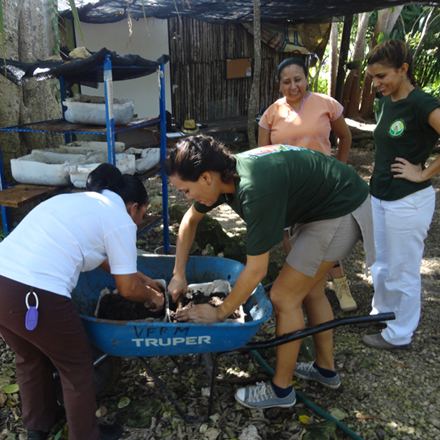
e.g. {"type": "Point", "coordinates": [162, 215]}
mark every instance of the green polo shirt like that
{"type": "Point", "coordinates": [402, 131]}
{"type": "Point", "coordinates": [281, 185]}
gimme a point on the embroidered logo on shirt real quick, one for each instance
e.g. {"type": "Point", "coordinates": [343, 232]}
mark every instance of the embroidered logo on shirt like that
{"type": "Point", "coordinates": [397, 128]}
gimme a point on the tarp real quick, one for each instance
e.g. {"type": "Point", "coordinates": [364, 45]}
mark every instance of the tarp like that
{"type": "Point", "coordinates": [302, 38]}
{"type": "Point", "coordinates": [83, 71]}
{"type": "Point", "coordinates": [230, 11]}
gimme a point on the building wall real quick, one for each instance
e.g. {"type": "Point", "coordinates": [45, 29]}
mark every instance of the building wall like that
{"type": "Point", "coordinates": [199, 52]}
{"type": "Point", "coordinates": [149, 40]}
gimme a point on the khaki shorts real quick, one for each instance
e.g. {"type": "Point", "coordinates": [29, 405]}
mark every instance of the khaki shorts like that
{"type": "Point", "coordinates": [326, 240]}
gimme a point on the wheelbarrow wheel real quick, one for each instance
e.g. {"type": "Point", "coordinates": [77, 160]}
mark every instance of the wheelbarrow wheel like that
{"type": "Point", "coordinates": [106, 374]}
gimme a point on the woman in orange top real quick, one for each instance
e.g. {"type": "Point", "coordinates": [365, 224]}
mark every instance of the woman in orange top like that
{"type": "Point", "coordinates": [305, 119]}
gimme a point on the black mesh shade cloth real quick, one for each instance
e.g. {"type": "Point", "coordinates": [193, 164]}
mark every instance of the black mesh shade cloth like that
{"type": "Point", "coordinates": [86, 71]}
{"type": "Point", "coordinates": [229, 11]}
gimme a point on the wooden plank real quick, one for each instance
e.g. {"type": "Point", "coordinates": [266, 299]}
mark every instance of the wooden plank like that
{"type": "Point", "coordinates": [150, 172]}
{"type": "Point", "coordinates": [64, 126]}
{"type": "Point", "coordinates": [146, 222]}
{"type": "Point", "coordinates": [20, 194]}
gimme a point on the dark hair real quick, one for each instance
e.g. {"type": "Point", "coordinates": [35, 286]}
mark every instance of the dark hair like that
{"type": "Point", "coordinates": [107, 176]}
{"type": "Point", "coordinates": [195, 155]}
{"type": "Point", "coordinates": [393, 53]}
{"type": "Point", "coordinates": [289, 62]}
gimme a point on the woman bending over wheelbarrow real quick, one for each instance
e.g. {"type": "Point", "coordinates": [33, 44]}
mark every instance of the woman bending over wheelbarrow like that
{"type": "Point", "coordinates": [40, 262]}
{"type": "Point", "coordinates": [327, 206]}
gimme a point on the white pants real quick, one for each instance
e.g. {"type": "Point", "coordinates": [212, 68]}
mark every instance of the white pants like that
{"type": "Point", "coordinates": [400, 228]}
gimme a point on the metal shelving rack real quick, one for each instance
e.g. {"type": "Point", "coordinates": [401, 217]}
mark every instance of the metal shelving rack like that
{"type": "Point", "coordinates": [12, 195]}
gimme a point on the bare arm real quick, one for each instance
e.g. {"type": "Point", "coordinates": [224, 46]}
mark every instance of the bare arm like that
{"type": "Point", "coordinates": [414, 173]}
{"type": "Point", "coordinates": [343, 133]}
{"type": "Point", "coordinates": [263, 137]}
{"type": "Point", "coordinates": [249, 278]}
{"type": "Point", "coordinates": [105, 266]}
{"type": "Point", "coordinates": [134, 289]}
{"type": "Point", "coordinates": [185, 238]}
{"type": "Point", "coordinates": [137, 287]}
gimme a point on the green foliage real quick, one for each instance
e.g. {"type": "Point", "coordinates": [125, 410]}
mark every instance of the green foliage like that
{"type": "Point", "coordinates": [433, 89]}
{"type": "Point", "coordinates": [53, 11]}
{"type": "Point", "coordinates": [423, 38]}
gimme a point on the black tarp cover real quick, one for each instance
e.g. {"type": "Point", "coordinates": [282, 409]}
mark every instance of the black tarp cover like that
{"type": "Point", "coordinates": [230, 11]}
{"type": "Point", "coordinates": [83, 71]}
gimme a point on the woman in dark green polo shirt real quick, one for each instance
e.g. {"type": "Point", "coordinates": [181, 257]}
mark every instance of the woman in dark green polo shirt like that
{"type": "Point", "coordinates": [403, 199]}
{"type": "Point", "coordinates": [327, 206]}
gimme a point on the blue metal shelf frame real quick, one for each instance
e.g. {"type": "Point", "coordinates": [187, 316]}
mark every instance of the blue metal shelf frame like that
{"type": "Point", "coordinates": [110, 132]}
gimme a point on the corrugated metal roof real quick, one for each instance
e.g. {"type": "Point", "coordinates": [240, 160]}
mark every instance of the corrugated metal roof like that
{"type": "Point", "coordinates": [230, 11]}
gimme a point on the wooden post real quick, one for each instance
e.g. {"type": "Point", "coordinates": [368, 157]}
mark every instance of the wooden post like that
{"type": "Point", "coordinates": [345, 45]}
{"type": "Point", "coordinates": [333, 59]}
{"type": "Point", "coordinates": [254, 97]}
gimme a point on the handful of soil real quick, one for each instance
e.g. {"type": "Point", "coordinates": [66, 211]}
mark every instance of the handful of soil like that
{"type": "Point", "coordinates": [113, 306]}
{"type": "Point", "coordinates": [212, 293]}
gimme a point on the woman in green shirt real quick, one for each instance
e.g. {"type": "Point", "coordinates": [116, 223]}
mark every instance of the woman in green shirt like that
{"type": "Point", "coordinates": [271, 188]}
{"type": "Point", "coordinates": [403, 199]}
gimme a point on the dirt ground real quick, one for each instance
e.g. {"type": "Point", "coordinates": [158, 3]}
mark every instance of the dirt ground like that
{"type": "Point", "coordinates": [384, 395]}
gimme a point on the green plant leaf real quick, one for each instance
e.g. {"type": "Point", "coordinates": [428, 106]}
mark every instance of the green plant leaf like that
{"type": "Point", "coordinates": [123, 402]}
{"type": "Point", "coordinates": [8, 371]}
{"type": "Point", "coordinates": [11, 388]}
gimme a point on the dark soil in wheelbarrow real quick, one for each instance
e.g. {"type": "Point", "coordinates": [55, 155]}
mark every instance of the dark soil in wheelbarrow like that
{"type": "Point", "coordinates": [115, 307]}
{"type": "Point", "coordinates": [198, 297]}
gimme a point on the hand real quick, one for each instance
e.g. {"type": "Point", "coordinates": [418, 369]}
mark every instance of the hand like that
{"type": "Point", "coordinates": [198, 313]}
{"type": "Point", "coordinates": [176, 287]}
{"type": "Point", "coordinates": [150, 282]}
{"type": "Point", "coordinates": [406, 170]}
{"type": "Point", "coordinates": [155, 304]}
{"type": "Point", "coordinates": [155, 285]}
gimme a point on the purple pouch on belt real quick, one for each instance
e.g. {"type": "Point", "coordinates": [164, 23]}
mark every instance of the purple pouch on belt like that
{"type": "Point", "coordinates": [31, 320]}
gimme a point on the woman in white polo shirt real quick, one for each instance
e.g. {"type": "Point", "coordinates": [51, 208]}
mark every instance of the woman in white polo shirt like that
{"type": "Point", "coordinates": [41, 260]}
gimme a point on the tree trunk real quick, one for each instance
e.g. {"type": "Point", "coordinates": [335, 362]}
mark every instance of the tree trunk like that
{"type": "Point", "coordinates": [254, 98]}
{"type": "Point", "coordinates": [345, 46]}
{"type": "Point", "coordinates": [315, 79]}
{"type": "Point", "coordinates": [353, 82]}
{"type": "Point", "coordinates": [385, 23]}
{"type": "Point", "coordinates": [423, 34]}
{"type": "Point", "coordinates": [333, 59]}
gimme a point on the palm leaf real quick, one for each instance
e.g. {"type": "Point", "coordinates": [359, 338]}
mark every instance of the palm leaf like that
{"type": "Point", "coordinates": [76, 19]}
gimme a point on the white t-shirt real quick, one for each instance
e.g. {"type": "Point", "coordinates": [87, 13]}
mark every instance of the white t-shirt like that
{"type": "Point", "coordinates": [69, 234]}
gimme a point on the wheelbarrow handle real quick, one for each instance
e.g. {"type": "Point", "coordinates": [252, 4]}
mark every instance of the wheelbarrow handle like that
{"type": "Point", "coordinates": [300, 334]}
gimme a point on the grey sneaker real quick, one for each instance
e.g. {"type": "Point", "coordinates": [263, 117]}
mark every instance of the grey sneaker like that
{"type": "Point", "coordinates": [306, 370]}
{"type": "Point", "coordinates": [263, 396]}
{"type": "Point", "coordinates": [377, 341]}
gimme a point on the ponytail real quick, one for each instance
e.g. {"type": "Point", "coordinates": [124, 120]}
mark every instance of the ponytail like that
{"type": "Point", "coordinates": [393, 53]}
{"type": "Point", "coordinates": [195, 155]}
{"type": "Point", "coordinates": [128, 187]}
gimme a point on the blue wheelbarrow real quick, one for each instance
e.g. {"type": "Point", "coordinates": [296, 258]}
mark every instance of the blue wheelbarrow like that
{"type": "Point", "coordinates": [141, 339]}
